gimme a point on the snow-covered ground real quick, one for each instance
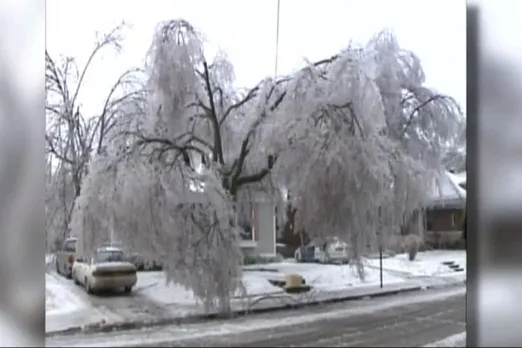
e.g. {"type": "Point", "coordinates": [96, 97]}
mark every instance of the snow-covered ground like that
{"type": "Point", "coordinates": [457, 340]}
{"type": "Point", "coordinates": [323, 277]}
{"type": "Point", "coordinates": [427, 263]}
{"type": "Point", "coordinates": [59, 299]}
{"type": "Point", "coordinates": [395, 270]}
{"type": "Point", "coordinates": [154, 286]}
{"type": "Point", "coordinates": [174, 333]}
{"type": "Point", "coordinates": [68, 305]}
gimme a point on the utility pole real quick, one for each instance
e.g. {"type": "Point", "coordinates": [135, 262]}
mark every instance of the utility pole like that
{"type": "Point", "coordinates": [380, 247]}
{"type": "Point", "coordinates": [277, 38]}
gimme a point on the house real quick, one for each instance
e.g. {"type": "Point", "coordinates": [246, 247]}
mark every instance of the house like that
{"type": "Point", "coordinates": [258, 235]}
{"type": "Point", "coordinates": [257, 227]}
{"type": "Point", "coordinates": [445, 211]}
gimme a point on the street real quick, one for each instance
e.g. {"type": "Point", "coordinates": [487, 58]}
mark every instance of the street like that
{"type": "Point", "coordinates": [408, 320]}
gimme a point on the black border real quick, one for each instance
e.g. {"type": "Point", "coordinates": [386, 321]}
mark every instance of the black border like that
{"type": "Point", "coordinates": [472, 118]}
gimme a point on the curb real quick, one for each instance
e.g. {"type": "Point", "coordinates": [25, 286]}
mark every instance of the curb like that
{"type": "Point", "coordinates": [193, 319]}
{"type": "Point", "coordinates": [446, 285]}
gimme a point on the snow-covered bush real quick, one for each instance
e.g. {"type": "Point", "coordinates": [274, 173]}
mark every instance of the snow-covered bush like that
{"type": "Point", "coordinates": [412, 244]}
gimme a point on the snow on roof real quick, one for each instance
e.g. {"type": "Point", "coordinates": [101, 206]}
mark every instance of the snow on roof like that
{"type": "Point", "coordinates": [446, 189]}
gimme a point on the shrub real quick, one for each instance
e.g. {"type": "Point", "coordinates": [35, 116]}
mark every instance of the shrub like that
{"type": "Point", "coordinates": [412, 244]}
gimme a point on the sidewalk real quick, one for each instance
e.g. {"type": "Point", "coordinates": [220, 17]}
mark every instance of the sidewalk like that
{"type": "Point", "coordinates": [274, 302]}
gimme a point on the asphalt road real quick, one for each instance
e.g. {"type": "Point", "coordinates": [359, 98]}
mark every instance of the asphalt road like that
{"type": "Point", "coordinates": [412, 325]}
{"type": "Point", "coordinates": [405, 320]}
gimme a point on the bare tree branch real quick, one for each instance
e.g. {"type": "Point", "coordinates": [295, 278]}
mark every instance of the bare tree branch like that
{"type": "Point", "coordinates": [431, 99]}
{"type": "Point", "coordinates": [250, 95]}
{"type": "Point", "coordinates": [218, 145]}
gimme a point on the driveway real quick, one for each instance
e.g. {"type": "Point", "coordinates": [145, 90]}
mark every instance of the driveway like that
{"type": "Point", "coordinates": [92, 309]}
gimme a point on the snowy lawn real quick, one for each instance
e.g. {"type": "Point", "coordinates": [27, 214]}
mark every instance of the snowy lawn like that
{"type": "Point", "coordinates": [153, 285]}
{"type": "Point", "coordinates": [427, 263]}
{"type": "Point", "coordinates": [323, 277]}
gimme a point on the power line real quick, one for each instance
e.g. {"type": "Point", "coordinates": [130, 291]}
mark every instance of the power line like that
{"type": "Point", "coordinates": [277, 39]}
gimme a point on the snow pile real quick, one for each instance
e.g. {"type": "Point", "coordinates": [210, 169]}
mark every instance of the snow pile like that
{"type": "Point", "coordinates": [59, 299]}
{"type": "Point", "coordinates": [427, 263]}
{"type": "Point", "coordinates": [153, 285]}
{"type": "Point", "coordinates": [457, 340]}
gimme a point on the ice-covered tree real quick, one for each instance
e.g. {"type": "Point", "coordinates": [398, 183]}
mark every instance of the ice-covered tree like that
{"type": "Point", "coordinates": [454, 159]}
{"type": "Point", "coordinates": [58, 202]}
{"type": "Point", "coordinates": [71, 136]}
{"type": "Point", "coordinates": [354, 138]}
{"type": "Point", "coordinates": [359, 138]}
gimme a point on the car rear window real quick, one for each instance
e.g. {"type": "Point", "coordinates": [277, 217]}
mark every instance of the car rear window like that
{"type": "Point", "coordinates": [70, 246]}
{"type": "Point", "coordinates": [109, 256]}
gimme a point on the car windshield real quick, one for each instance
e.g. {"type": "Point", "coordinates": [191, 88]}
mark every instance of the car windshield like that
{"type": "Point", "coordinates": [108, 256]}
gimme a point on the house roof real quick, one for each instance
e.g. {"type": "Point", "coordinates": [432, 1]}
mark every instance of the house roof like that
{"type": "Point", "coordinates": [446, 191]}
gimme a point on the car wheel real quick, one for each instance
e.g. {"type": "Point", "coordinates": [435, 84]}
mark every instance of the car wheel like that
{"type": "Point", "coordinates": [88, 287]}
{"type": "Point", "coordinates": [128, 289]}
{"type": "Point", "coordinates": [57, 265]}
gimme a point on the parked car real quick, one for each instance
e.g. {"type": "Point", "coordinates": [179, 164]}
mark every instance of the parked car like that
{"type": "Point", "coordinates": [153, 265]}
{"type": "Point", "coordinates": [64, 258]}
{"type": "Point", "coordinates": [323, 251]}
{"type": "Point", "coordinates": [138, 260]}
{"type": "Point", "coordinates": [144, 264]}
{"type": "Point", "coordinates": [107, 270]}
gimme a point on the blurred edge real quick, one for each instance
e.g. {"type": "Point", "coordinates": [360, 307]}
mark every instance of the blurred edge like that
{"type": "Point", "coordinates": [494, 304]}
{"type": "Point", "coordinates": [496, 321]}
{"type": "Point", "coordinates": [22, 124]}
{"type": "Point", "coordinates": [472, 57]}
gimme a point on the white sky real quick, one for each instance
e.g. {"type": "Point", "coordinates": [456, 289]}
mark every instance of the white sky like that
{"type": "Point", "coordinates": [246, 31]}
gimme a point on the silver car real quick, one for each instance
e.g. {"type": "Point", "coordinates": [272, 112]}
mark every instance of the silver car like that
{"type": "Point", "coordinates": [320, 250]}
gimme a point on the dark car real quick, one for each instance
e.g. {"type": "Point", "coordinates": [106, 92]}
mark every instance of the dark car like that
{"type": "Point", "coordinates": [285, 250]}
